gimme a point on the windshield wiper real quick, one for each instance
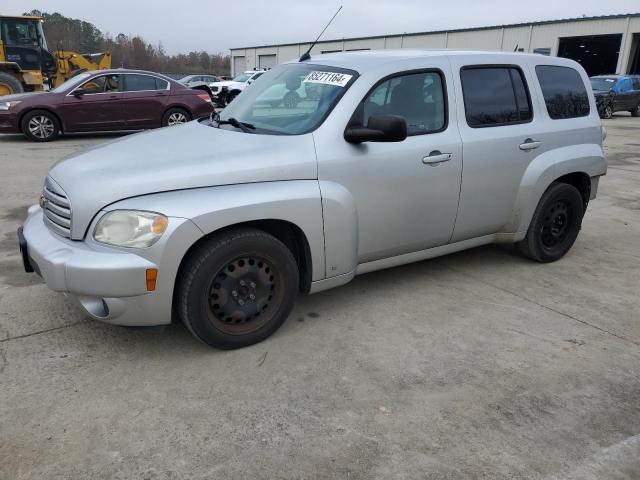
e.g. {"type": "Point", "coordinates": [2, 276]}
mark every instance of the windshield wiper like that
{"type": "Point", "coordinates": [234, 122]}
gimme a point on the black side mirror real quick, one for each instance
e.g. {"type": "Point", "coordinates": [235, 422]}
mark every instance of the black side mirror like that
{"type": "Point", "coordinates": [381, 128]}
{"type": "Point", "coordinates": [78, 92]}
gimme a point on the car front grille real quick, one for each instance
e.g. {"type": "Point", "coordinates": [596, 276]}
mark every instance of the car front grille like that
{"type": "Point", "coordinates": [56, 208]}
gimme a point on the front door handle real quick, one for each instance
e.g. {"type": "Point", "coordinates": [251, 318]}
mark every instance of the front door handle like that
{"type": "Point", "coordinates": [530, 144]}
{"type": "Point", "coordinates": [436, 158]}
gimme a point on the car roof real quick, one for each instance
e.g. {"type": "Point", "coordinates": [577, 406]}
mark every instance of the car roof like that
{"type": "Point", "coordinates": [115, 71]}
{"type": "Point", "coordinates": [370, 59]}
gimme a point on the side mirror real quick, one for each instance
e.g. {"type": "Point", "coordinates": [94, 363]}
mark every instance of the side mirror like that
{"type": "Point", "coordinates": [78, 92]}
{"type": "Point", "coordinates": [381, 128]}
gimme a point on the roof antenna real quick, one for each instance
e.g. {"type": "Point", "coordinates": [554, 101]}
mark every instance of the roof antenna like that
{"type": "Point", "coordinates": [306, 56]}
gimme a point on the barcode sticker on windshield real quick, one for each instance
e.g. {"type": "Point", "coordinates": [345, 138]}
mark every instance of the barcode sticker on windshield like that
{"type": "Point", "coordinates": [328, 78]}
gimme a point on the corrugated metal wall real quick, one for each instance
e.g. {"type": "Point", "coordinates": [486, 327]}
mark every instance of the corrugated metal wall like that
{"type": "Point", "coordinates": [527, 37]}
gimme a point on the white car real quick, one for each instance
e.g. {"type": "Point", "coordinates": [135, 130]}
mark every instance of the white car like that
{"type": "Point", "coordinates": [225, 92]}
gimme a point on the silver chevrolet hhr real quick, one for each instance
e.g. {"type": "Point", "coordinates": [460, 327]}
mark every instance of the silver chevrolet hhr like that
{"type": "Point", "coordinates": [319, 171]}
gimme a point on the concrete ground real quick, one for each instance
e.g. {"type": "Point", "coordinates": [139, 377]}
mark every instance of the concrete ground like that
{"type": "Point", "coordinates": [476, 365]}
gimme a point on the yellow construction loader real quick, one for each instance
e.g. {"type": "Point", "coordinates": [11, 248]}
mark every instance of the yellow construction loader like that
{"type": "Point", "coordinates": [26, 64]}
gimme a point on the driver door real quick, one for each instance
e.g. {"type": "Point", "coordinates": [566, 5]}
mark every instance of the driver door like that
{"type": "Point", "coordinates": [98, 107]}
{"type": "Point", "coordinates": [406, 193]}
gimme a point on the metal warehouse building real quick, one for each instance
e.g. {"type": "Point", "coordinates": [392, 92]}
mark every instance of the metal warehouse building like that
{"type": "Point", "coordinates": [603, 45]}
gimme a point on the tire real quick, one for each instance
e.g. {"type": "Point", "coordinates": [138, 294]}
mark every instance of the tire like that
{"type": "Point", "coordinates": [9, 84]}
{"type": "Point", "coordinates": [175, 116]}
{"type": "Point", "coordinates": [636, 111]}
{"type": "Point", "coordinates": [40, 126]}
{"type": "Point", "coordinates": [237, 289]}
{"type": "Point", "coordinates": [555, 224]}
{"type": "Point", "coordinates": [231, 96]}
{"type": "Point", "coordinates": [607, 112]}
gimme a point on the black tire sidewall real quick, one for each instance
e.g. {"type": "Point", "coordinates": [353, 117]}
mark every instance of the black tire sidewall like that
{"type": "Point", "coordinates": [13, 82]}
{"type": "Point", "coordinates": [168, 113]}
{"type": "Point", "coordinates": [34, 113]}
{"type": "Point", "coordinates": [557, 191]}
{"type": "Point", "coordinates": [205, 262]}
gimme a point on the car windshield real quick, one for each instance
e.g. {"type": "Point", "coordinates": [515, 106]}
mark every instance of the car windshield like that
{"type": "Point", "coordinates": [604, 84]}
{"type": "Point", "coordinates": [243, 77]}
{"type": "Point", "coordinates": [72, 82]}
{"type": "Point", "coordinates": [290, 99]}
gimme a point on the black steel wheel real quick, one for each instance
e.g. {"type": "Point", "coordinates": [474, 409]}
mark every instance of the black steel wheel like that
{"type": "Point", "coordinates": [555, 224]}
{"type": "Point", "coordinates": [237, 288]}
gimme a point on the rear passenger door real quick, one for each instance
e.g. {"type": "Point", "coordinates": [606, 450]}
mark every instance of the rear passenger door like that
{"type": "Point", "coordinates": [144, 100]}
{"type": "Point", "coordinates": [500, 135]}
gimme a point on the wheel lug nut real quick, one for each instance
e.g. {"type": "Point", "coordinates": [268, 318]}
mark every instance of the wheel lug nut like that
{"type": "Point", "coordinates": [252, 285]}
{"type": "Point", "coordinates": [242, 283]}
{"type": "Point", "coordinates": [241, 302]}
{"type": "Point", "coordinates": [234, 293]}
{"type": "Point", "coordinates": [252, 296]}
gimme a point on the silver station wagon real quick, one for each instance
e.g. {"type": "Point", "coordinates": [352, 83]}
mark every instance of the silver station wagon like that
{"type": "Point", "coordinates": [321, 170]}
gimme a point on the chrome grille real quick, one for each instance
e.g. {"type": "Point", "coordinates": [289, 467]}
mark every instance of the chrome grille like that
{"type": "Point", "coordinates": [56, 208]}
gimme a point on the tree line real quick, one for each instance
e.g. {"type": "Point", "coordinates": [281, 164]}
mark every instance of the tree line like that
{"type": "Point", "coordinates": [126, 51]}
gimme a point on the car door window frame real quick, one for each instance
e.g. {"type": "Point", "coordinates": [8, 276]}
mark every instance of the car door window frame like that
{"type": "Point", "coordinates": [445, 96]}
{"type": "Point", "coordinates": [99, 93]}
{"type": "Point", "coordinates": [505, 66]}
{"type": "Point", "coordinates": [123, 87]}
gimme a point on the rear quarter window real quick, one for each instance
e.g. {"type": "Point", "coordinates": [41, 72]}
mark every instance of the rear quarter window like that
{"type": "Point", "coordinates": [565, 94]}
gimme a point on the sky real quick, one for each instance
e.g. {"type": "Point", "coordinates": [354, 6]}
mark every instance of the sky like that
{"type": "Point", "coordinates": [217, 26]}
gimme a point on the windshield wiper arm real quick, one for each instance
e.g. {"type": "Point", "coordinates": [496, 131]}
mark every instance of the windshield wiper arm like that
{"type": "Point", "coordinates": [234, 122]}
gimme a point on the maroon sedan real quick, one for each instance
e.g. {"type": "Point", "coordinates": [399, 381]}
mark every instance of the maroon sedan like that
{"type": "Point", "coordinates": [103, 100]}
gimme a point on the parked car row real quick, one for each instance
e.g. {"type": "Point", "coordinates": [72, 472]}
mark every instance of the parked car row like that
{"type": "Point", "coordinates": [616, 93]}
{"type": "Point", "coordinates": [103, 100]}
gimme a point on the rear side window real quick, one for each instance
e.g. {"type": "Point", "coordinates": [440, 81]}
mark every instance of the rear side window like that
{"type": "Point", "coordinates": [564, 92]}
{"type": "Point", "coordinates": [161, 84]}
{"type": "Point", "coordinates": [495, 96]}
{"type": "Point", "coordinates": [417, 97]}
{"type": "Point", "coordinates": [137, 83]}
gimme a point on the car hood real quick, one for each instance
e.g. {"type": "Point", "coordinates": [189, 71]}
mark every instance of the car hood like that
{"type": "Point", "coordinates": [192, 155]}
{"type": "Point", "coordinates": [228, 83]}
{"type": "Point", "coordinates": [22, 96]}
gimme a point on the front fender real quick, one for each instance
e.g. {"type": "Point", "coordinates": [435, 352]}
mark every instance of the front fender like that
{"type": "Point", "coordinates": [542, 172]}
{"type": "Point", "coordinates": [212, 208]}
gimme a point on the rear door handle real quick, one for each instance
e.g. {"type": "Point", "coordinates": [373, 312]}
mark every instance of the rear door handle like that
{"type": "Point", "coordinates": [529, 144]}
{"type": "Point", "coordinates": [436, 158]}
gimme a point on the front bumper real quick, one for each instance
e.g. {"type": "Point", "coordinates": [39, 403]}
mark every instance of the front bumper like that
{"type": "Point", "coordinates": [108, 283]}
{"type": "Point", "coordinates": [9, 122]}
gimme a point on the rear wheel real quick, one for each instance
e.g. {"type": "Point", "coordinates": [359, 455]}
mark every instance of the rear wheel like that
{"type": "Point", "coordinates": [40, 126]}
{"type": "Point", "coordinates": [175, 116]}
{"type": "Point", "coordinates": [9, 84]}
{"type": "Point", "coordinates": [237, 289]}
{"type": "Point", "coordinates": [555, 224]}
{"type": "Point", "coordinates": [636, 111]}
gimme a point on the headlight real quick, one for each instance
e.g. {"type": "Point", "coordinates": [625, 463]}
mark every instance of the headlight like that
{"type": "Point", "coordinates": [7, 105]}
{"type": "Point", "coordinates": [127, 228]}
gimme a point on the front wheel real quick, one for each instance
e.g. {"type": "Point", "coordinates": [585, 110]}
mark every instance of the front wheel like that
{"type": "Point", "coordinates": [175, 116]}
{"type": "Point", "coordinates": [555, 224]}
{"type": "Point", "coordinates": [607, 112]}
{"type": "Point", "coordinates": [237, 289]}
{"type": "Point", "coordinates": [40, 126]}
{"type": "Point", "coordinates": [636, 111]}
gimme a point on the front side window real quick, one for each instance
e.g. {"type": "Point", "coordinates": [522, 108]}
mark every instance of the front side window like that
{"type": "Point", "coordinates": [290, 99]}
{"type": "Point", "coordinates": [417, 97]}
{"type": "Point", "coordinates": [20, 33]}
{"type": "Point", "coordinates": [101, 84]}
{"type": "Point", "coordinates": [564, 92]}
{"type": "Point", "coordinates": [138, 83]}
{"type": "Point", "coordinates": [243, 77]}
{"type": "Point", "coordinates": [495, 96]}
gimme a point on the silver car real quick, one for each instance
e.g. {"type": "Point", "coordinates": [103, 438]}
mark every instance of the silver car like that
{"type": "Point", "coordinates": [384, 158]}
